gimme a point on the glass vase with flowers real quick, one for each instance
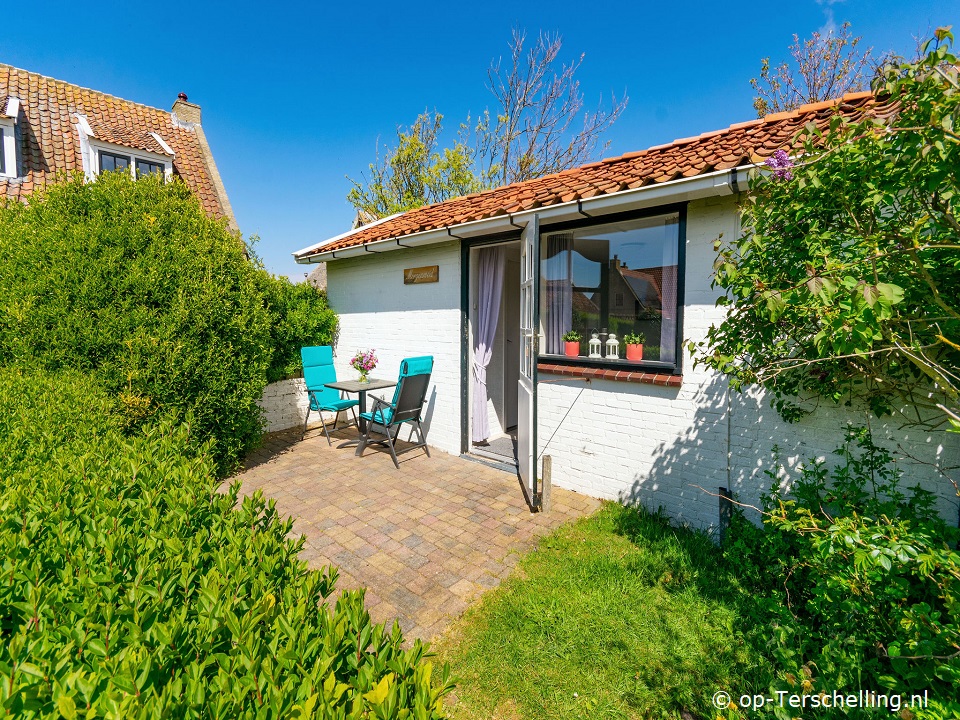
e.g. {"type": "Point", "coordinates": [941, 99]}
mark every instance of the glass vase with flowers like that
{"type": "Point", "coordinates": [363, 362]}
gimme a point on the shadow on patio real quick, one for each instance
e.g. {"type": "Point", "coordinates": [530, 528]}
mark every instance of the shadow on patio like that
{"type": "Point", "coordinates": [425, 540]}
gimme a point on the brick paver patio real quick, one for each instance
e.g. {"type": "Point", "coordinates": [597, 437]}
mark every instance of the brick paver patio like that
{"type": "Point", "coordinates": [425, 540]}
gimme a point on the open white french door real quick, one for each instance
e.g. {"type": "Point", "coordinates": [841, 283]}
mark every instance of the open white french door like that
{"type": "Point", "coordinates": [529, 349]}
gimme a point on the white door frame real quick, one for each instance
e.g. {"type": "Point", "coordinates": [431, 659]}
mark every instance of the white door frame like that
{"type": "Point", "coordinates": [529, 351]}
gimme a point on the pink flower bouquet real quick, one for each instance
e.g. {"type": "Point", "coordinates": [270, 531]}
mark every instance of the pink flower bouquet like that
{"type": "Point", "coordinates": [364, 362]}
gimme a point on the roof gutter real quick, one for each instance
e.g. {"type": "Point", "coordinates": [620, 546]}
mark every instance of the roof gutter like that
{"type": "Point", "coordinates": [719, 183]}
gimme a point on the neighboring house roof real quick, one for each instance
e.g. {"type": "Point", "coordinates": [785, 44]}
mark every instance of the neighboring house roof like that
{"type": "Point", "coordinates": [363, 217]}
{"type": "Point", "coordinates": [739, 145]}
{"type": "Point", "coordinates": [581, 303]}
{"type": "Point", "coordinates": [318, 278]}
{"type": "Point", "coordinates": [644, 284]}
{"type": "Point", "coordinates": [49, 139]}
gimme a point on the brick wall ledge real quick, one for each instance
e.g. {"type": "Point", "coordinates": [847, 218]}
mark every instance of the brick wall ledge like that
{"type": "Point", "coordinates": [609, 374]}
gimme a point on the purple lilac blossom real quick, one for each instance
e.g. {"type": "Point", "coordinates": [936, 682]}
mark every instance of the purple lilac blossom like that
{"type": "Point", "coordinates": [781, 163]}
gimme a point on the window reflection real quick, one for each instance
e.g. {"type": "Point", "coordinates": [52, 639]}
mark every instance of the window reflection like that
{"type": "Point", "coordinates": [145, 167]}
{"type": "Point", "coordinates": [619, 278]}
{"type": "Point", "coordinates": [109, 161]}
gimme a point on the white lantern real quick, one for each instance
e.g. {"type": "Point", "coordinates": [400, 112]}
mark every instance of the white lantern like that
{"type": "Point", "coordinates": [612, 347]}
{"type": "Point", "coordinates": [594, 346]}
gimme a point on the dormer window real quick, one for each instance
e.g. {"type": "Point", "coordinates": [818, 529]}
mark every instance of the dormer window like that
{"type": "Point", "coordinates": [111, 160]}
{"type": "Point", "coordinates": [99, 154]}
{"type": "Point", "coordinates": [145, 167]}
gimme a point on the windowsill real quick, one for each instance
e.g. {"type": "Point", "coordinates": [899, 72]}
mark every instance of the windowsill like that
{"type": "Point", "coordinates": [635, 374]}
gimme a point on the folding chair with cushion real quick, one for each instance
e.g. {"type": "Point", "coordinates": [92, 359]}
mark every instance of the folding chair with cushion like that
{"type": "Point", "coordinates": [318, 370]}
{"type": "Point", "coordinates": [385, 419]}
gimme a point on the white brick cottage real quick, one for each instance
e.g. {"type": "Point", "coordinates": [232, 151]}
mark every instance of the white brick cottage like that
{"type": "Point", "coordinates": [620, 246]}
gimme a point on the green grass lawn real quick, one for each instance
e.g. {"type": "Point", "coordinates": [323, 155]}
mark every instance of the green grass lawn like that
{"type": "Point", "coordinates": [619, 615]}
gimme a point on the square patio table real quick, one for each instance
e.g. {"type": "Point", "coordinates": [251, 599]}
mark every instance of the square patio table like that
{"type": "Point", "coordinates": [354, 386]}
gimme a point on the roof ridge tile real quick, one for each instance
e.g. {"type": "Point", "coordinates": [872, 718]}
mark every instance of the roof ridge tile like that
{"type": "Point", "coordinates": [83, 88]}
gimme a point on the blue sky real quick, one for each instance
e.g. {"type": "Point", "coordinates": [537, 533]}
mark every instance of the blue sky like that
{"type": "Point", "coordinates": [295, 95]}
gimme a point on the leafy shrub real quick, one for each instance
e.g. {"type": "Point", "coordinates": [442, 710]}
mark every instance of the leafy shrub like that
{"type": "Point", "coordinates": [857, 585]}
{"type": "Point", "coordinates": [131, 281]}
{"type": "Point", "coordinates": [131, 588]}
{"type": "Point", "coordinates": [845, 280]}
{"type": "Point", "coordinates": [299, 316]}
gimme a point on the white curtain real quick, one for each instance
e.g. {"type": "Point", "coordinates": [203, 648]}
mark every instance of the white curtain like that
{"type": "Point", "coordinates": [489, 289]}
{"type": "Point", "coordinates": [559, 273]}
{"type": "Point", "coordinates": [668, 296]}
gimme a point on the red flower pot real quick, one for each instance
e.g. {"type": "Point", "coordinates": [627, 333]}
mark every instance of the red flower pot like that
{"type": "Point", "coordinates": [635, 353]}
{"type": "Point", "coordinates": [571, 349]}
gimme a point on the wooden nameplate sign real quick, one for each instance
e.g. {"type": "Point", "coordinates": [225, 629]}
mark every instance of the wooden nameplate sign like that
{"type": "Point", "coordinates": [418, 275]}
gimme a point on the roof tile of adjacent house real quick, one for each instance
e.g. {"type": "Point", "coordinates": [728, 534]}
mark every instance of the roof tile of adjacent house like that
{"type": "Point", "coordinates": [50, 142]}
{"type": "Point", "coordinates": [738, 145]}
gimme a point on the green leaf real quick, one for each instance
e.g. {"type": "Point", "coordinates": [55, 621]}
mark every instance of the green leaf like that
{"type": "Point", "coordinates": [381, 691]}
{"type": "Point", "coordinates": [30, 669]}
{"type": "Point", "coordinates": [67, 707]}
{"type": "Point", "coordinates": [97, 647]}
{"type": "Point", "coordinates": [890, 294]}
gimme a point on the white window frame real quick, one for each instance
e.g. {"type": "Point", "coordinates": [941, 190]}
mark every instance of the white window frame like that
{"type": "Point", "coordinates": [8, 146]}
{"type": "Point", "coordinates": [98, 146]}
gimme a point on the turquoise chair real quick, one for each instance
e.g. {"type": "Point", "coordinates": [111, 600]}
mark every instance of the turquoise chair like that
{"type": "Point", "coordinates": [318, 370]}
{"type": "Point", "coordinates": [385, 419]}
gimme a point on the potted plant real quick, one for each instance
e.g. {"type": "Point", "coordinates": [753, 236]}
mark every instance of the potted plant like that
{"type": "Point", "coordinates": [634, 343]}
{"type": "Point", "coordinates": [571, 343]}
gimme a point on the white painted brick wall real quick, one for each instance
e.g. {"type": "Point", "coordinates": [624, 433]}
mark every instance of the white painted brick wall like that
{"type": "Point", "coordinates": [284, 404]}
{"type": "Point", "coordinates": [655, 445]}
{"type": "Point", "coordinates": [611, 439]}
{"type": "Point", "coordinates": [378, 311]}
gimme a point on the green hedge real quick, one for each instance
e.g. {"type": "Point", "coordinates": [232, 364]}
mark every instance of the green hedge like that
{"type": "Point", "coordinates": [856, 584]}
{"type": "Point", "coordinates": [131, 588]}
{"type": "Point", "coordinates": [299, 316]}
{"type": "Point", "coordinates": [132, 282]}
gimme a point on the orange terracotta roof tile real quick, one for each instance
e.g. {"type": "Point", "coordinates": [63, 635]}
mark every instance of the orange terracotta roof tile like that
{"type": "Point", "coordinates": [738, 145]}
{"type": "Point", "coordinates": [131, 137]}
{"type": "Point", "coordinates": [50, 141]}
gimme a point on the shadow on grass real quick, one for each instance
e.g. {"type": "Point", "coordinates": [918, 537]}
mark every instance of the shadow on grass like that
{"type": "Point", "coordinates": [678, 555]}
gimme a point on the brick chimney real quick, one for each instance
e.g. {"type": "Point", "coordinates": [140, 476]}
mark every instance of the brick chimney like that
{"type": "Point", "coordinates": [186, 111]}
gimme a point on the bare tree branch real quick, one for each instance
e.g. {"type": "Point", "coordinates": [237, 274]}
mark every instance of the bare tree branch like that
{"type": "Point", "coordinates": [539, 126]}
{"type": "Point", "coordinates": [824, 67]}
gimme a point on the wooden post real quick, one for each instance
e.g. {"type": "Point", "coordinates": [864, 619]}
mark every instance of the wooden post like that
{"type": "Point", "coordinates": [546, 499]}
{"type": "Point", "coordinates": [726, 513]}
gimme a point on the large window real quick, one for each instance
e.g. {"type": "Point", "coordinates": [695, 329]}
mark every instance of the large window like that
{"type": "Point", "coordinates": [618, 278]}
